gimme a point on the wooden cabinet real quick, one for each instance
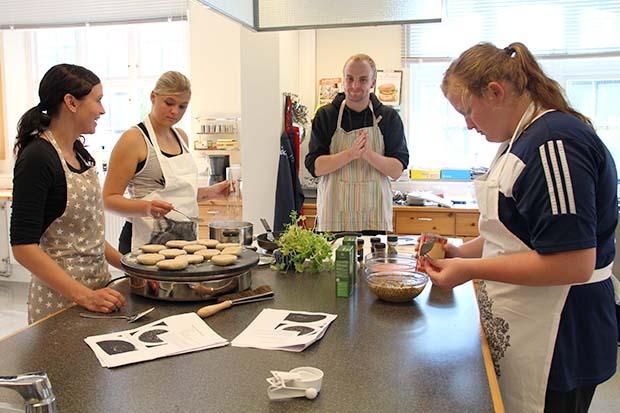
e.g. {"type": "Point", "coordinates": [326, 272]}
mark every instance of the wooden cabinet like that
{"type": "Point", "coordinates": [466, 224]}
{"type": "Point", "coordinates": [412, 220]}
{"type": "Point", "coordinates": [218, 210]}
{"type": "Point", "coordinates": [310, 214]}
{"type": "Point", "coordinates": [462, 223]}
{"type": "Point", "coordinates": [417, 222]}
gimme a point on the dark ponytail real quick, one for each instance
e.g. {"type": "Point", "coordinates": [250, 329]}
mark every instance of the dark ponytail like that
{"type": "Point", "coordinates": [57, 82]}
{"type": "Point", "coordinates": [33, 122]}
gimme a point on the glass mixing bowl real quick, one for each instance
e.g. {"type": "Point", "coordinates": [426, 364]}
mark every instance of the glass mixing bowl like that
{"type": "Point", "coordinates": [397, 286]}
{"type": "Point", "coordinates": [388, 263]}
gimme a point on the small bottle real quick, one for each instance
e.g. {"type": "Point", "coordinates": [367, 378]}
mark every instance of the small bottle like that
{"type": "Point", "coordinates": [379, 249]}
{"type": "Point", "coordinates": [392, 241]}
{"type": "Point", "coordinates": [373, 241]}
{"type": "Point", "coordinates": [360, 249]}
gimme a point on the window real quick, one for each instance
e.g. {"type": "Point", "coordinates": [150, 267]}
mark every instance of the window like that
{"type": "Point", "coordinates": [577, 44]}
{"type": "Point", "coordinates": [127, 58]}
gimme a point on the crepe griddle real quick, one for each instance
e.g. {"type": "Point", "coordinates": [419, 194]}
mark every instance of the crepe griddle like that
{"type": "Point", "coordinates": [193, 272]}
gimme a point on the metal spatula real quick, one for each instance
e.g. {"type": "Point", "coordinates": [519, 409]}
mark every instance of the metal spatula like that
{"type": "Point", "coordinates": [129, 317]}
{"type": "Point", "coordinates": [194, 219]}
{"type": "Point", "coordinates": [426, 247]}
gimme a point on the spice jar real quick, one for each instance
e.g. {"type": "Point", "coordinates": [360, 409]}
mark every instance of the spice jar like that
{"type": "Point", "coordinates": [360, 249]}
{"type": "Point", "coordinates": [392, 242]}
{"type": "Point", "coordinates": [379, 249]}
{"type": "Point", "coordinates": [373, 241]}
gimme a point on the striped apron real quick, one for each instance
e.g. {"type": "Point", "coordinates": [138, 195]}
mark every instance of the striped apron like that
{"type": "Point", "coordinates": [356, 197]}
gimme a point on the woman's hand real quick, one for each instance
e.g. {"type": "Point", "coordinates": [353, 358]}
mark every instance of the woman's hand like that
{"type": "Point", "coordinates": [222, 189]}
{"type": "Point", "coordinates": [157, 208]}
{"type": "Point", "coordinates": [104, 300]}
{"type": "Point", "coordinates": [447, 273]}
{"type": "Point", "coordinates": [451, 250]}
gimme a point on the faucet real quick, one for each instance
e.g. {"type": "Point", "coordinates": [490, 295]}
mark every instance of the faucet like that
{"type": "Point", "coordinates": [36, 390]}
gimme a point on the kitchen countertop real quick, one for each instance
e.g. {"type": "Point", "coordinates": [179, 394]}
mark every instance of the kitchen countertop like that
{"type": "Point", "coordinates": [377, 356]}
{"type": "Point", "coordinates": [397, 207]}
{"type": "Point", "coordinates": [6, 194]}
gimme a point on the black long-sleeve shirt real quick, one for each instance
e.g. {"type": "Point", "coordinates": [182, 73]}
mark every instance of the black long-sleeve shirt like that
{"type": "Point", "coordinates": [324, 126]}
{"type": "Point", "coordinates": [39, 191]}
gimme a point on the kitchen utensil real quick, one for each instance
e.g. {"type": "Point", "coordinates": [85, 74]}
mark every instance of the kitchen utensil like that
{"type": "Point", "coordinates": [299, 382]}
{"type": "Point", "coordinates": [261, 293]}
{"type": "Point", "coordinates": [267, 245]}
{"type": "Point", "coordinates": [426, 247]}
{"type": "Point", "coordinates": [194, 219]}
{"type": "Point", "coordinates": [129, 317]}
{"type": "Point", "coordinates": [232, 231]}
{"type": "Point", "coordinates": [268, 229]}
{"type": "Point", "coordinates": [197, 282]}
{"type": "Point", "coordinates": [397, 286]}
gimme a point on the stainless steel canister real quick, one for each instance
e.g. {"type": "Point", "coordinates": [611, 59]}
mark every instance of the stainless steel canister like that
{"type": "Point", "coordinates": [232, 231]}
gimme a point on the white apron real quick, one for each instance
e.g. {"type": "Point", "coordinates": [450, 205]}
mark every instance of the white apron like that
{"type": "Point", "coordinates": [75, 240]}
{"type": "Point", "coordinates": [357, 196]}
{"type": "Point", "coordinates": [180, 175]}
{"type": "Point", "coordinates": [520, 322]}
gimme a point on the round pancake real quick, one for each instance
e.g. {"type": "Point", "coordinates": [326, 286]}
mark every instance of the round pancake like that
{"type": "Point", "coordinates": [209, 243]}
{"type": "Point", "coordinates": [208, 253]}
{"type": "Point", "coordinates": [149, 259]}
{"type": "Point", "coordinates": [223, 245]}
{"type": "Point", "coordinates": [172, 252]}
{"type": "Point", "coordinates": [237, 250]}
{"type": "Point", "coordinates": [191, 258]}
{"type": "Point", "coordinates": [152, 248]}
{"type": "Point", "coordinates": [177, 243]}
{"type": "Point", "coordinates": [224, 259]}
{"type": "Point", "coordinates": [172, 265]}
{"type": "Point", "coordinates": [192, 248]}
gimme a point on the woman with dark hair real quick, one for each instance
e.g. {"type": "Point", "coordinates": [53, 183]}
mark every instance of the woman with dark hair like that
{"type": "Point", "coordinates": [57, 228]}
{"type": "Point", "coordinates": [548, 211]}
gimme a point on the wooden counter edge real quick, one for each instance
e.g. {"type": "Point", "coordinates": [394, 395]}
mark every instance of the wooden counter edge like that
{"type": "Point", "coordinates": [496, 395]}
{"type": "Point", "coordinates": [36, 322]}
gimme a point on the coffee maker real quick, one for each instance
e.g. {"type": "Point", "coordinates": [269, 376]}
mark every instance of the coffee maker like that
{"type": "Point", "coordinates": [217, 168]}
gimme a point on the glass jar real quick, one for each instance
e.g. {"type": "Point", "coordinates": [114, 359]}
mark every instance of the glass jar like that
{"type": "Point", "coordinates": [380, 250]}
{"type": "Point", "coordinates": [392, 242]}
{"type": "Point", "coordinates": [360, 249]}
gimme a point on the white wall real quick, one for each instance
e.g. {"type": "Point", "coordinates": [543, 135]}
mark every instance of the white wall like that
{"type": "Point", "coordinates": [261, 122]}
{"type": "Point", "coordinates": [214, 63]}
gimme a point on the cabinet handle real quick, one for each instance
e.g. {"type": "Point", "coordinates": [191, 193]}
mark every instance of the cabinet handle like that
{"type": "Point", "coordinates": [424, 219]}
{"type": "Point", "coordinates": [212, 212]}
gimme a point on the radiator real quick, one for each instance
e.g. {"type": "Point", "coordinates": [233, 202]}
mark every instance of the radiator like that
{"type": "Point", "coordinates": [5, 253]}
{"type": "Point", "coordinates": [113, 226]}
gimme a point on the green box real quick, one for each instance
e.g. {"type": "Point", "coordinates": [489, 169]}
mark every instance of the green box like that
{"type": "Point", "coordinates": [349, 239]}
{"type": "Point", "coordinates": [345, 270]}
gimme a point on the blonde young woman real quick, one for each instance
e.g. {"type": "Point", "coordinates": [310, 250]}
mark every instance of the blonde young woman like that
{"type": "Point", "coordinates": [57, 228]}
{"type": "Point", "coordinates": [153, 163]}
{"type": "Point", "coordinates": [548, 211]}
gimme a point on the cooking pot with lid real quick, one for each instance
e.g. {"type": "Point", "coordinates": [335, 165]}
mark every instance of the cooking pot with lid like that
{"type": "Point", "coordinates": [232, 231]}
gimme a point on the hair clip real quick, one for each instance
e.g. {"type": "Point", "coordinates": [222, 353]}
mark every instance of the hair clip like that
{"type": "Point", "coordinates": [510, 51]}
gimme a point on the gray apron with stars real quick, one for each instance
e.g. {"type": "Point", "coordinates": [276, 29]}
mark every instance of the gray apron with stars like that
{"type": "Point", "coordinates": [75, 241]}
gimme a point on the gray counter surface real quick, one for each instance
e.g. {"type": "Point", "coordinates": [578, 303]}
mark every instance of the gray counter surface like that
{"type": "Point", "coordinates": [423, 356]}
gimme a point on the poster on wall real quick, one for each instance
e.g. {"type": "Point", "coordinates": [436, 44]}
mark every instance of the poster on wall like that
{"type": "Point", "coordinates": [328, 89]}
{"type": "Point", "coordinates": [388, 87]}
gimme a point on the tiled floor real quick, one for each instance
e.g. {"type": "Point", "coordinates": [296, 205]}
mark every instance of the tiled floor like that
{"type": "Point", "coordinates": [13, 316]}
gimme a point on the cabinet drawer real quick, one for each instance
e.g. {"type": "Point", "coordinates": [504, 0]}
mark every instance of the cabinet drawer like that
{"type": "Point", "coordinates": [211, 213]}
{"type": "Point", "coordinates": [419, 222]}
{"type": "Point", "coordinates": [310, 214]}
{"type": "Point", "coordinates": [466, 224]}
